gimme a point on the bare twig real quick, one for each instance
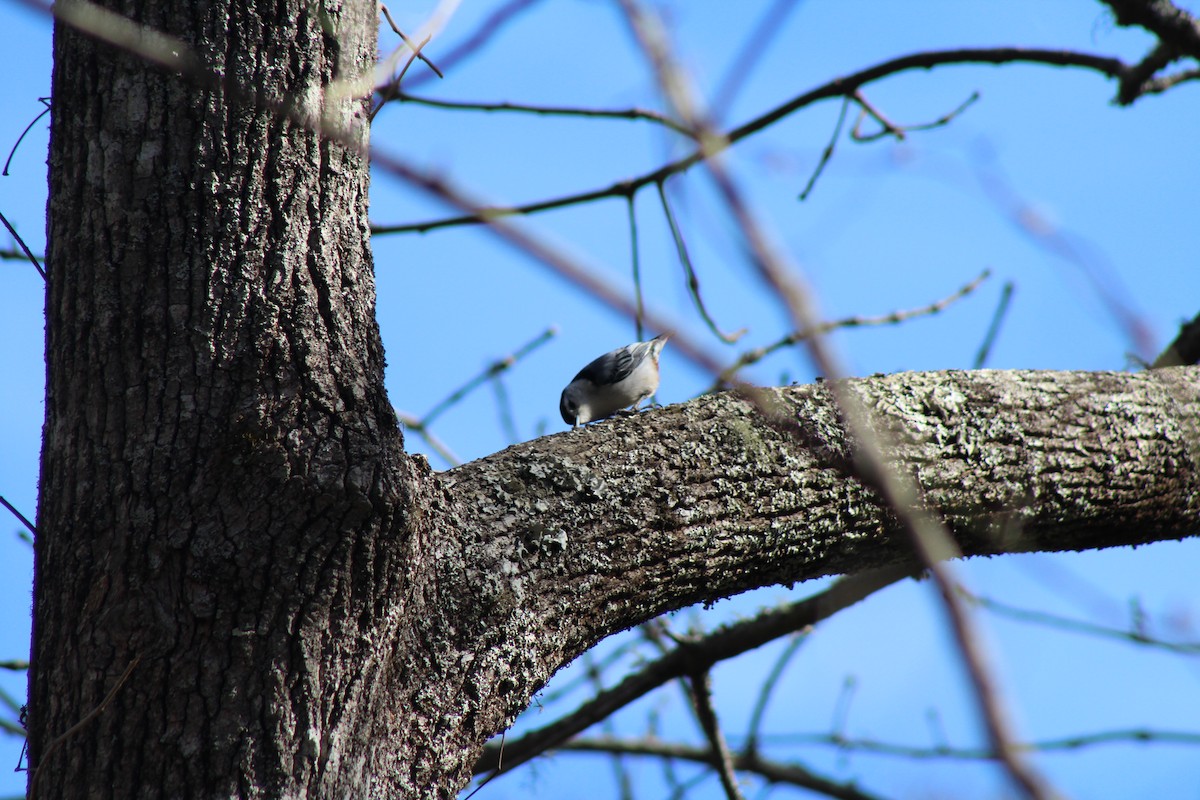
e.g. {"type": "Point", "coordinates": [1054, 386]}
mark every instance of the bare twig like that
{"type": "Point", "coordinates": [18, 515]}
{"type": "Point", "coordinates": [841, 709]}
{"type": "Point", "coordinates": [720, 645]}
{"type": "Point", "coordinates": [764, 693]}
{"type": "Point", "coordinates": [508, 422]}
{"type": "Point", "coordinates": [771, 771]}
{"type": "Point", "coordinates": [701, 685]}
{"type": "Point", "coordinates": [443, 450]}
{"type": "Point", "coordinates": [840, 87]}
{"type": "Point", "coordinates": [635, 261]}
{"type": "Point", "coordinates": [618, 761]}
{"type": "Point", "coordinates": [45, 101]}
{"type": "Point", "coordinates": [827, 153]}
{"type": "Point", "coordinates": [24, 247]}
{"type": "Point", "coordinates": [545, 111]}
{"type": "Point", "coordinates": [568, 268]}
{"type": "Point", "coordinates": [1137, 76]}
{"type": "Point", "coordinates": [693, 282]}
{"type": "Point", "coordinates": [1134, 636]}
{"type": "Point", "coordinates": [391, 89]}
{"type": "Point", "coordinates": [889, 128]}
{"type": "Point", "coordinates": [474, 43]}
{"type": "Point", "coordinates": [894, 318]}
{"type": "Point", "coordinates": [1166, 82]}
{"type": "Point", "coordinates": [415, 48]}
{"type": "Point", "coordinates": [492, 372]}
{"type": "Point", "coordinates": [497, 367]}
{"type": "Point", "coordinates": [945, 751]}
{"type": "Point", "coordinates": [989, 339]}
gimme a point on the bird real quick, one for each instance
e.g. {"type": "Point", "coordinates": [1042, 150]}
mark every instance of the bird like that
{"type": "Point", "coordinates": [618, 379]}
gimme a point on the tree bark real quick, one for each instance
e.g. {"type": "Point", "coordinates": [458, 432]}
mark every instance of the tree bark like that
{"type": "Point", "coordinates": [228, 518]}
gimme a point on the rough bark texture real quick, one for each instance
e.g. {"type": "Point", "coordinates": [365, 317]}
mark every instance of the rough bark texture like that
{"type": "Point", "coordinates": [226, 505]}
{"type": "Point", "coordinates": [223, 485]}
{"type": "Point", "coordinates": [587, 533]}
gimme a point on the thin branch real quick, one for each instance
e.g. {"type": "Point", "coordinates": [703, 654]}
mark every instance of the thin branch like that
{"type": "Point", "coordinates": [1136, 77]}
{"type": "Point", "coordinates": [415, 48]}
{"type": "Point", "coordinates": [989, 338]}
{"type": "Point", "coordinates": [443, 450]}
{"type": "Point", "coordinates": [841, 709]}
{"type": "Point", "coordinates": [576, 273]}
{"type": "Point", "coordinates": [14, 254]}
{"type": "Point", "coordinates": [635, 261]}
{"type": "Point", "coordinates": [722, 644]}
{"type": "Point", "coordinates": [693, 282]}
{"type": "Point", "coordinates": [1166, 82]}
{"type": "Point", "coordinates": [391, 89]}
{"type": "Point", "coordinates": [701, 686]}
{"type": "Point", "coordinates": [894, 318]}
{"type": "Point", "coordinates": [45, 101]}
{"type": "Point", "coordinates": [508, 422]}
{"type": "Point", "coordinates": [24, 247]}
{"type": "Point", "coordinates": [943, 751]}
{"type": "Point", "coordinates": [827, 153]}
{"type": "Point", "coordinates": [840, 87]}
{"type": "Point", "coordinates": [618, 761]}
{"type": "Point", "coordinates": [546, 111]}
{"type": "Point", "coordinates": [886, 126]}
{"type": "Point", "coordinates": [24, 520]}
{"type": "Point", "coordinates": [768, 687]}
{"type": "Point", "coordinates": [497, 367]}
{"type": "Point", "coordinates": [771, 771]}
{"type": "Point", "coordinates": [421, 425]}
{"type": "Point", "coordinates": [482, 35]}
{"type": "Point", "coordinates": [1135, 636]}
{"type": "Point", "coordinates": [416, 53]}
{"type": "Point", "coordinates": [889, 128]}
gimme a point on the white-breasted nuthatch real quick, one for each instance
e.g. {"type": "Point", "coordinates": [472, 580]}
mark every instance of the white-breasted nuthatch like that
{"type": "Point", "coordinates": [619, 379]}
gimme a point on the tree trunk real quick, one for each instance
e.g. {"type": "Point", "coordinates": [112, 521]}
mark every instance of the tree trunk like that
{"type": "Point", "coordinates": [225, 501]}
{"type": "Point", "coordinates": [244, 588]}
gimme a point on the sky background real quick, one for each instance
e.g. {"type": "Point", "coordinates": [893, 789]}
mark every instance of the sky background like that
{"type": "Point", "coordinates": [1090, 210]}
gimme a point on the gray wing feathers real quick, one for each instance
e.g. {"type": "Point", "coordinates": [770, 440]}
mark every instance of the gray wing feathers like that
{"type": "Point", "coordinates": [612, 367]}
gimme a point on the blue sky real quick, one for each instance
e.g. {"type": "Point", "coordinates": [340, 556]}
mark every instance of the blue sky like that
{"type": "Point", "coordinates": [1077, 202]}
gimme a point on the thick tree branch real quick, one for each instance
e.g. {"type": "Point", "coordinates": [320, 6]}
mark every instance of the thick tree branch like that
{"type": "Point", "coordinates": [633, 517]}
{"type": "Point", "coordinates": [1174, 26]}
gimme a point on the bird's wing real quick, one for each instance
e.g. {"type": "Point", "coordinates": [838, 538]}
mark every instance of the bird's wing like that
{"type": "Point", "coordinates": [614, 367]}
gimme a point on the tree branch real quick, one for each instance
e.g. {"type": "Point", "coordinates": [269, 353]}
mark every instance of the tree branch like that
{"type": "Point", "coordinates": [1172, 25]}
{"type": "Point", "coordinates": [640, 515]}
{"type": "Point", "coordinates": [840, 87]}
{"type": "Point", "coordinates": [703, 653]}
{"type": "Point", "coordinates": [772, 771]}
